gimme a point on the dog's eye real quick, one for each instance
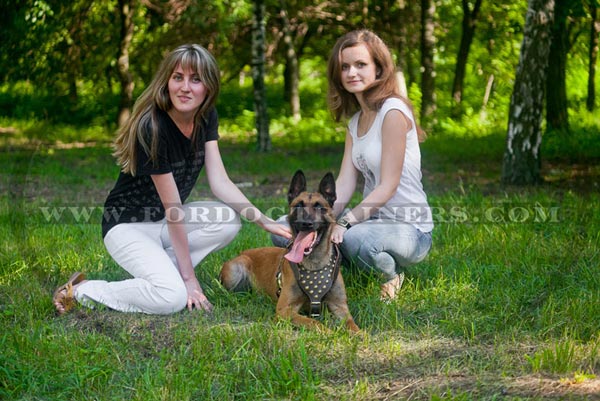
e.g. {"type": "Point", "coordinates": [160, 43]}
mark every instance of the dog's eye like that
{"type": "Point", "coordinates": [299, 205]}
{"type": "Point", "coordinates": [318, 206]}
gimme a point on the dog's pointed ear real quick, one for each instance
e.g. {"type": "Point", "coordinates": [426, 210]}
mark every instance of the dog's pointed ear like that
{"type": "Point", "coordinates": [297, 186]}
{"type": "Point", "coordinates": [327, 188]}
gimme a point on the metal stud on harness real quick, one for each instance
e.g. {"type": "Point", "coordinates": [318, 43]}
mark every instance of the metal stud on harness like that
{"type": "Point", "coordinates": [316, 283]}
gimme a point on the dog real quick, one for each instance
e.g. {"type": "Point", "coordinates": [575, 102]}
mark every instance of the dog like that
{"type": "Point", "coordinates": [306, 276]}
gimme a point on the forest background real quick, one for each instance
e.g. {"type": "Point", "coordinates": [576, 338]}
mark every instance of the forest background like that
{"type": "Point", "coordinates": [506, 304]}
{"type": "Point", "coordinates": [83, 63]}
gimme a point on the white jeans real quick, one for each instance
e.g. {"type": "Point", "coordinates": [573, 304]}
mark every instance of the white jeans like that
{"type": "Point", "coordinates": [144, 250]}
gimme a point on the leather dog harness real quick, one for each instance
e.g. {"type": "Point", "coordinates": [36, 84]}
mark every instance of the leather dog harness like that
{"type": "Point", "coordinates": [315, 284]}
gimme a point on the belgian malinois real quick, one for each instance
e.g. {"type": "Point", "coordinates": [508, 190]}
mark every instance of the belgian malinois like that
{"type": "Point", "coordinates": [305, 276]}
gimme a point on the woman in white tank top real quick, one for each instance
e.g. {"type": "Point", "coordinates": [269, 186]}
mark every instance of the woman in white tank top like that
{"type": "Point", "coordinates": [390, 228]}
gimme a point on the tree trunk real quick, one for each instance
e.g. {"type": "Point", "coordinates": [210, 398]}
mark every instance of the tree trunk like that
{"type": "Point", "coordinates": [402, 88]}
{"type": "Point", "coordinates": [486, 98]}
{"type": "Point", "coordinates": [73, 93]}
{"type": "Point", "coordinates": [557, 118]}
{"type": "Point", "coordinates": [594, 33]}
{"type": "Point", "coordinates": [402, 46]}
{"type": "Point", "coordinates": [126, 10]}
{"type": "Point", "coordinates": [413, 64]}
{"type": "Point", "coordinates": [468, 32]}
{"type": "Point", "coordinates": [428, 75]}
{"type": "Point", "coordinates": [291, 73]}
{"type": "Point", "coordinates": [258, 77]}
{"type": "Point", "coordinates": [73, 64]}
{"type": "Point", "coordinates": [522, 161]}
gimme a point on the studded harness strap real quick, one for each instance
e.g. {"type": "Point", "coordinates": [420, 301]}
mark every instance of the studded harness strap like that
{"type": "Point", "coordinates": [316, 283]}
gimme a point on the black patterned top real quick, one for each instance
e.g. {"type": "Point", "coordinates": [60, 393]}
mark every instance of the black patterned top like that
{"type": "Point", "coordinates": [134, 198]}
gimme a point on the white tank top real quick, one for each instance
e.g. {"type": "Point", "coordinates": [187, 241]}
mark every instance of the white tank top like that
{"type": "Point", "coordinates": [409, 203]}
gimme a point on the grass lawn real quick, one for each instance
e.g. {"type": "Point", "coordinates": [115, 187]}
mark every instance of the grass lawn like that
{"type": "Point", "coordinates": [506, 306]}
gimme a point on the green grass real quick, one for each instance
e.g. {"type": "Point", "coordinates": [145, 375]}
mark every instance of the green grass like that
{"type": "Point", "coordinates": [504, 307]}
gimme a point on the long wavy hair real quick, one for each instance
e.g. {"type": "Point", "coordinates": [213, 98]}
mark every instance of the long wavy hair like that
{"type": "Point", "coordinates": [344, 104]}
{"type": "Point", "coordinates": [155, 97]}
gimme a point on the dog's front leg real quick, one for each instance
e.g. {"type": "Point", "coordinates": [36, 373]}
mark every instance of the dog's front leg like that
{"type": "Point", "coordinates": [337, 302]}
{"type": "Point", "coordinates": [291, 313]}
{"type": "Point", "coordinates": [288, 308]}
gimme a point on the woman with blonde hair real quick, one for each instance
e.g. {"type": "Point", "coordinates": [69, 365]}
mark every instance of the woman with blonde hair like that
{"type": "Point", "coordinates": [147, 228]}
{"type": "Point", "coordinates": [390, 228]}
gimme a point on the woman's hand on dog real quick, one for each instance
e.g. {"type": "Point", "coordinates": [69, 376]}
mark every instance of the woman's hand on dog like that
{"type": "Point", "coordinates": [337, 234]}
{"type": "Point", "coordinates": [282, 230]}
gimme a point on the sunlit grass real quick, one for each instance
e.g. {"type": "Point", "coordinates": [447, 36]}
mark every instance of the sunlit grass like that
{"type": "Point", "coordinates": [505, 305]}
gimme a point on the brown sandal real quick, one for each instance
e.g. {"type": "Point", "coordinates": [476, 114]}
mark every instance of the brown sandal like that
{"type": "Point", "coordinates": [389, 290]}
{"type": "Point", "coordinates": [64, 294]}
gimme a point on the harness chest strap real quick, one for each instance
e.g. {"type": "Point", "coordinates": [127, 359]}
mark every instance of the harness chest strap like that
{"type": "Point", "coordinates": [316, 283]}
{"type": "Point", "coordinates": [278, 276]}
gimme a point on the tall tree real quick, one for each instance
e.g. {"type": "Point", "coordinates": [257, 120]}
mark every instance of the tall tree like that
{"type": "Point", "coordinates": [73, 60]}
{"type": "Point", "coordinates": [258, 76]}
{"type": "Point", "coordinates": [593, 56]}
{"type": "Point", "coordinates": [427, 63]}
{"type": "Point", "coordinates": [522, 161]}
{"type": "Point", "coordinates": [305, 24]}
{"type": "Point", "coordinates": [402, 47]}
{"type": "Point", "coordinates": [48, 44]}
{"type": "Point", "coordinates": [467, 34]}
{"type": "Point", "coordinates": [408, 43]}
{"type": "Point", "coordinates": [292, 69]}
{"type": "Point", "coordinates": [557, 117]}
{"type": "Point", "coordinates": [126, 12]}
{"type": "Point", "coordinates": [396, 23]}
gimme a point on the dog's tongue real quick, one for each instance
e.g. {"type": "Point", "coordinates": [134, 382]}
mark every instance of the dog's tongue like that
{"type": "Point", "coordinates": [302, 241]}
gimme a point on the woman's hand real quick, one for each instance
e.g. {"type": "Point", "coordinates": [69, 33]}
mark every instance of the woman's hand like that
{"type": "Point", "coordinates": [337, 234]}
{"type": "Point", "coordinates": [196, 297]}
{"type": "Point", "coordinates": [282, 230]}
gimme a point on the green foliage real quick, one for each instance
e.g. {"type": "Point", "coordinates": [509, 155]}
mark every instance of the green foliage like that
{"type": "Point", "coordinates": [235, 107]}
{"type": "Point", "coordinates": [580, 144]}
{"type": "Point", "coordinates": [22, 102]}
{"type": "Point", "coordinates": [73, 80]}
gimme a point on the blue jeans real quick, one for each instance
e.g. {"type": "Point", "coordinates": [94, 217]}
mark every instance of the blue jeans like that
{"type": "Point", "coordinates": [380, 246]}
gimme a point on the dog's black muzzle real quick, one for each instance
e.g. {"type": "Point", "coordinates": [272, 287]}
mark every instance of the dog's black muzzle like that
{"type": "Point", "coordinates": [303, 219]}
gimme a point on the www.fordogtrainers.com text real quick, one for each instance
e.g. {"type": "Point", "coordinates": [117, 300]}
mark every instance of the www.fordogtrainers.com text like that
{"type": "Point", "coordinates": [509, 213]}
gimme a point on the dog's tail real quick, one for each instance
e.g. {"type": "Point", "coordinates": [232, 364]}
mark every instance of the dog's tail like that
{"type": "Point", "coordinates": [234, 274]}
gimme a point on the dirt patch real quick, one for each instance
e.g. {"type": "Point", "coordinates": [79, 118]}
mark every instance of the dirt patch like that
{"type": "Point", "coordinates": [538, 387]}
{"type": "Point", "coordinates": [560, 176]}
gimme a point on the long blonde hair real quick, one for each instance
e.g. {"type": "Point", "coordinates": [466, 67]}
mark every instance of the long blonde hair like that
{"type": "Point", "coordinates": [344, 104]}
{"type": "Point", "coordinates": [156, 97]}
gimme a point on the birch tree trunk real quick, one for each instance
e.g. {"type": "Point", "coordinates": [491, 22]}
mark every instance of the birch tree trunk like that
{"type": "Point", "coordinates": [522, 160]}
{"type": "Point", "coordinates": [258, 77]}
{"type": "Point", "coordinates": [126, 10]}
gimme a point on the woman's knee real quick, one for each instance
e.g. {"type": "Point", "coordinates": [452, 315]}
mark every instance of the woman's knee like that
{"type": "Point", "coordinates": [354, 238]}
{"type": "Point", "coordinates": [375, 261]}
{"type": "Point", "coordinates": [170, 300]}
{"type": "Point", "coordinates": [231, 227]}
